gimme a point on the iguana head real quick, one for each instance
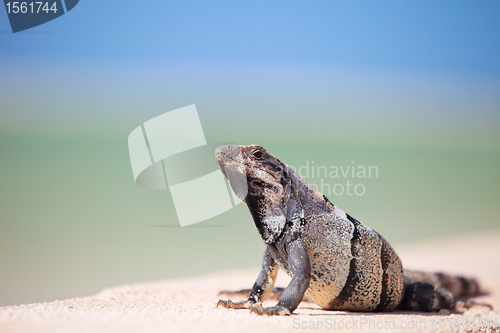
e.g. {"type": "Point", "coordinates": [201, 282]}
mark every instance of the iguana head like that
{"type": "Point", "coordinates": [260, 180]}
{"type": "Point", "coordinates": [251, 170]}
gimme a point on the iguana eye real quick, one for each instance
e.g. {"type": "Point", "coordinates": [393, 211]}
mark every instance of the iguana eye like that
{"type": "Point", "coordinates": [258, 154]}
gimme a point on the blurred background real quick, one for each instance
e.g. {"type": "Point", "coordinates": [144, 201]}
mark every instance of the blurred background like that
{"type": "Point", "coordinates": [411, 87]}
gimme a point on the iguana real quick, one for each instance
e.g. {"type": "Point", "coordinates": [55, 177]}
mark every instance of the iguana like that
{"type": "Point", "coordinates": [336, 261]}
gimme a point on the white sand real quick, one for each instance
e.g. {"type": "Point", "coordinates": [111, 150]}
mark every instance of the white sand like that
{"type": "Point", "coordinates": [188, 305]}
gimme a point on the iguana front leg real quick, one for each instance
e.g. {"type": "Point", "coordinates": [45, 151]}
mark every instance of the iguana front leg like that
{"type": "Point", "coordinates": [300, 267]}
{"type": "Point", "coordinates": [261, 288]}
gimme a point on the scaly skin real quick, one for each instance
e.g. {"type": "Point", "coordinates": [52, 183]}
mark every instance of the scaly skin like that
{"type": "Point", "coordinates": [333, 259]}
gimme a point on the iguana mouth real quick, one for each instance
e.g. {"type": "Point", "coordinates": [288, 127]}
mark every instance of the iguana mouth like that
{"type": "Point", "coordinates": [230, 161]}
{"type": "Point", "coordinates": [226, 156]}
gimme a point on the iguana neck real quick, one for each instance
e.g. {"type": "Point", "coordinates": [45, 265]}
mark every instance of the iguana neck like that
{"type": "Point", "coordinates": [267, 216]}
{"type": "Point", "coordinates": [299, 200]}
{"type": "Point", "coordinates": [306, 198]}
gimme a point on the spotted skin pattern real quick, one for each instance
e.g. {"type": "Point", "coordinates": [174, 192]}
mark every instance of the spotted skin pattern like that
{"type": "Point", "coordinates": [333, 259]}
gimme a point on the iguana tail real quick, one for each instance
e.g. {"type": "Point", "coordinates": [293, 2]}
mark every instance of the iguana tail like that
{"type": "Point", "coordinates": [435, 291]}
{"type": "Point", "coordinates": [457, 285]}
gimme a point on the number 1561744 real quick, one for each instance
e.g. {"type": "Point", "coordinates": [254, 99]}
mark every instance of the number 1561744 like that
{"type": "Point", "coordinates": [30, 7]}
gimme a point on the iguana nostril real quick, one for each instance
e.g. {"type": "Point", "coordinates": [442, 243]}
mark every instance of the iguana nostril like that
{"type": "Point", "coordinates": [227, 151]}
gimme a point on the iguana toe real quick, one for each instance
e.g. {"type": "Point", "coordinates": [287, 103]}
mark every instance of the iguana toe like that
{"type": "Point", "coordinates": [231, 305]}
{"type": "Point", "coordinates": [270, 311]}
{"type": "Point", "coordinates": [469, 304]}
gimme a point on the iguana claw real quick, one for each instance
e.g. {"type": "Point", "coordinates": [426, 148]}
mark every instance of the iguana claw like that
{"type": "Point", "coordinates": [270, 311]}
{"type": "Point", "coordinates": [231, 305]}
{"type": "Point", "coordinates": [469, 304]}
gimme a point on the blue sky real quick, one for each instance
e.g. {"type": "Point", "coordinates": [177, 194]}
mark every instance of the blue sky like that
{"type": "Point", "coordinates": [442, 35]}
{"type": "Point", "coordinates": [366, 66]}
